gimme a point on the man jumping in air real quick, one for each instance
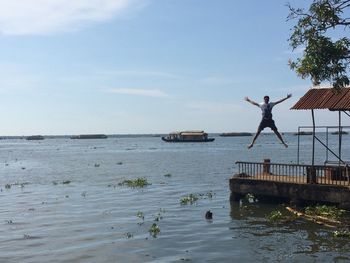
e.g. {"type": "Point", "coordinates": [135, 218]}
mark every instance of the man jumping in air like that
{"type": "Point", "coordinates": [267, 121]}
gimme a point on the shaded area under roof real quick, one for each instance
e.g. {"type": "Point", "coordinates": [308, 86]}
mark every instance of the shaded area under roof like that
{"type": "Point", "coordinates": [325, 98]}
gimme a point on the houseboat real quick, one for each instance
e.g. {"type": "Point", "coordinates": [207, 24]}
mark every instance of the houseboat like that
{"type": "Point", "coordinates": [188, 136]}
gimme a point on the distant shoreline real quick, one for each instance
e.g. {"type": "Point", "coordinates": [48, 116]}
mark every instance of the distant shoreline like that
{"type": "Point", "coordinates": [131, 135]}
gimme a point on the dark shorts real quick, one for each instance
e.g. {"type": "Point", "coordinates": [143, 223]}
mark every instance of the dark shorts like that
{"type": "Point", "coordinates": [267, 123]}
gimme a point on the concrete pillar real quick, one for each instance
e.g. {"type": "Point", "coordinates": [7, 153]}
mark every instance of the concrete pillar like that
{"type": "Point", "coordinates": [266, 166]}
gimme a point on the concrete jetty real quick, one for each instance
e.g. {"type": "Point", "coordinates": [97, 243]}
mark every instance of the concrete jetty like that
{"type": "Point", "coordinates": [294, 193]}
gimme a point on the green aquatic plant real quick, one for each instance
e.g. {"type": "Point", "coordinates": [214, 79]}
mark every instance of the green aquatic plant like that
{"type": "Point", "coordinates": [341, 233]}
{"type": "Point", "coordinates": [330, 212]}
{"type": "Point", "coordinates": [158, 217]}
{"type": "Point", "coordinates": [250, 198]}
{"type": "Point", "coordinates": [8, 186]}
{"type": "Point", "coordinates": [20, 184]}
{"type": "Point", "coordinates": [189, 199]}
{"type": "Point", "coordinates": [154, 230]}
{"type": "Point", "coordinates": [275, 216]}
{"type": "Point", "coordinates": [167, 175]}
{"type": "Point", "coordinates": [119, 163]}
{"type": "Point", "coordinates": [208, 195]}
{"type": "Point", "coordinates": [63, 182]}
{"type": "Point", "coordinates": [136, 183]}
{"type": "Point", "coordinates": [140, 214]}
{"type": "Point", "coordinates": [129, 235]}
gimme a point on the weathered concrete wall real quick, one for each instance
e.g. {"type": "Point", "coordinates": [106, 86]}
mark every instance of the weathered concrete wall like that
{"type": "Point", "coordinates": [293, 192]}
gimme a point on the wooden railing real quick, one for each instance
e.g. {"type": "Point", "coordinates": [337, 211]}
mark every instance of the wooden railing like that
{"type": "Point", "coordinates": [294, 173]}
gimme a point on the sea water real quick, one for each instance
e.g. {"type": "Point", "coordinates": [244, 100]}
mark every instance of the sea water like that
{"type": "Point", "coordinates": [61, 201]}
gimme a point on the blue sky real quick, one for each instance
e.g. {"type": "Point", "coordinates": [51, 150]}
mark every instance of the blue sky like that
{"type": "Point", "coordinates": [146, 66]}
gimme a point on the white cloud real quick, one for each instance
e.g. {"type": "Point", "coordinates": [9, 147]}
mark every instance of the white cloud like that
{"type": "Point", "coordinates": [38, 17]}
{"type": "Point", "coordinates": [140, 92]}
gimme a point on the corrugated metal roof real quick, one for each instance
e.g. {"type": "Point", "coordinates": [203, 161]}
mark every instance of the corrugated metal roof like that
{"type": "Point", "coordinates": [325, 98]}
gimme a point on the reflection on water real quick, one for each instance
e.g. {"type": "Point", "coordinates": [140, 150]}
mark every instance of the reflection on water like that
{"type": "Point", "coordinates": [62, 202]}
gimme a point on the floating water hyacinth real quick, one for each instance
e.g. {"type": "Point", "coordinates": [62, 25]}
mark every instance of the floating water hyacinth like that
{"type": "Point", "coordinates": [137, 183]}
{"type": "Point", "coordinates": [129, 235]}
{"type": "Point", "coordinates": [154, 230]}
{"type": "Point", "coordinates": [341, 233]}
{"type": "Point", "coordinates": [275, 216]}
{"type": "Point", "coordinates": [189, 199]}
{"type": "Point", "coordinates": [330, 212]}
{"type": "Point", "coordinates": [140, 214]}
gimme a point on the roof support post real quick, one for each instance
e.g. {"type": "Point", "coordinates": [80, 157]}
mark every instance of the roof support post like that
{"type": "Point", "coordinates": [313, 138]}
{"type": "Point", "coordinates": [311, 171]}
{"type": "Point", "coordinates": [340, 135]}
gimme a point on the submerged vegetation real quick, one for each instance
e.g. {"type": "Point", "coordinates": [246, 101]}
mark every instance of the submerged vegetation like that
{"type": "Point", "coordinates": [63, 182]}
{"type": "Point", "coordinates": [136, 183]}
{"type": "Point", "coordinates": [329, 212]}
{"type": "Point", "coordinates": [140, 214]}
{"type": "Point", "coordinates": [8, 186]}
{"type": "Point", "coordinates": [189, 199]}
{"type": "Point", "coordinates": [129, 235]}
{"type": "Point", "coordinates": [341, 233]}
{"type": "Point", "coordinates": [329, 216]}
{"type": "Point", "coordinates": [193, 198]}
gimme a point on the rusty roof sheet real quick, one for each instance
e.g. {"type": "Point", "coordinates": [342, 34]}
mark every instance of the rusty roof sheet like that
{"type": "Point", "coordinates": [324, 98]}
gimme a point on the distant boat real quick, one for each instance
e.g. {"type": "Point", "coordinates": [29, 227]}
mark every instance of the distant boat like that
{"type": "Point", "coordinates": [337, 132]}
{"type": "Point", "coordinates": [302, 133]}
{"type": "Point", "coordinates": [35, 137]}
{"type": "Point", "coordinates": [89, 136]}
{"type": "Point", "coordinates": [231, 134]}
{"type": "Point", "coordinates": [188, 136]}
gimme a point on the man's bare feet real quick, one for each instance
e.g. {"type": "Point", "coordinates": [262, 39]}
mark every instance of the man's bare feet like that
{"type": "Point", "coordinates": [285, 145]}
{"type": "Point", "coordinates": [250, 146]}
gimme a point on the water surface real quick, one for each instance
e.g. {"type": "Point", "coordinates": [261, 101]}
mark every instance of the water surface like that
{"type": "Point", "coordinates": [62, 203]}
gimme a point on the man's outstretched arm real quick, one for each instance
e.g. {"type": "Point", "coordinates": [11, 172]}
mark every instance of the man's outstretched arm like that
{"type": "Point", "coordinates": [251, 101]}
{"type": "Point", "coordinates": [281, 100]}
